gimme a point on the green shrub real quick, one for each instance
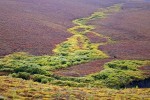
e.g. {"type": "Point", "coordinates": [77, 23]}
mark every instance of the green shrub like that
{"type": "Point", "coordinates": [7, 69]}
{"type": "Point", "coordinates": [77, 79]}
{"type": "Point", "coordinates": [103, 74]}
{"type": "Point", "coordinates": [124, 64]}
{"type": "Point", "coordinates": [41, 78]}
{"type": "Point", "coordinates": [23, 75]}
{"type": "Point", "coordinates": [44, 80]}
{"type": "Point", "coordinates": [30, 69]}
{"type": "Point", "coordinates": [14, 75]}
{"type": "Point", "coordinates": [17, 56]}
{"type": "Point", "coordinates": [38, 77]}
{"type": "Point", "coordinates": [68, 83]}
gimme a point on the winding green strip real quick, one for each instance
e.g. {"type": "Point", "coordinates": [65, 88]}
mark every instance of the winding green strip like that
{"type": "Point", "coordinates": [79, 42]}
{"type": "Point", "coordinates": [76, 50]}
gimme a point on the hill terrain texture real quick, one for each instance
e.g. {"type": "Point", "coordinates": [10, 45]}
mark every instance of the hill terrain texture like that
{"type": "Point", "coordinates": [74, 50]}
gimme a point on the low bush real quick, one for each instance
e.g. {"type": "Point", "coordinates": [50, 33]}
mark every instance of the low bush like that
{"type": "Point", "coordinates": [30, 69]}
{"type": "Point", "coordinates": [7, 69]}
{"type": "Point", "coordinates": [44, 80]}
{"type": "Point", "coordinates": [23, 75]}
{"type": "Point", "coordinates": [38, 77]}
{"type": "Point", "coordinates": [14, 75]}
{"type": "Point", "coordinates": [68, 83]}
{"type": "Point", "coordinates": [17, 56]}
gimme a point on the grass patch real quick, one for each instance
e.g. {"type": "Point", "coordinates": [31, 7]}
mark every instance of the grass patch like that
{"type": "Point", "coordinates": [13, 88]}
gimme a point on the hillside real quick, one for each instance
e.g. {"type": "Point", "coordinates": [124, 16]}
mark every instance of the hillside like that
{"type": "Point", "coordinates": [49, 51]}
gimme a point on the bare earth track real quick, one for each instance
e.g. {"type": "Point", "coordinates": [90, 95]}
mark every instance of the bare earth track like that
{"type": "Point", "coordinates": [83, 69]}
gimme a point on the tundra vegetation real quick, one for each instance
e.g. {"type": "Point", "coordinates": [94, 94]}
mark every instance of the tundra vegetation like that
{"type": "Point", "coordinates": [75, 50]}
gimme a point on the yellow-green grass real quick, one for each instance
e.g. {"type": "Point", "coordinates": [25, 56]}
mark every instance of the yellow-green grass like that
{"type": "Point", "coordinates": [18, 89]}
{"type": "Point", "coordinates": [80, 43]}
{"type": "Point", "coordinates": [82, 29]}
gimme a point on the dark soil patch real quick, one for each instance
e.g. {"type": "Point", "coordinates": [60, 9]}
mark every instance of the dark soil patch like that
{"type": "Point", "coordinates": [83, 69]}
{"type": "Point", "coordinates": [95, 39]}
{"type": "Point", "coordinates": [146, 70]}
{"type": "Point", "coordinates": [128, 49]}
{"type": "Point", "coordinates": [4, 73]}
{"type": "Point", "coordinates": [81, 29]}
